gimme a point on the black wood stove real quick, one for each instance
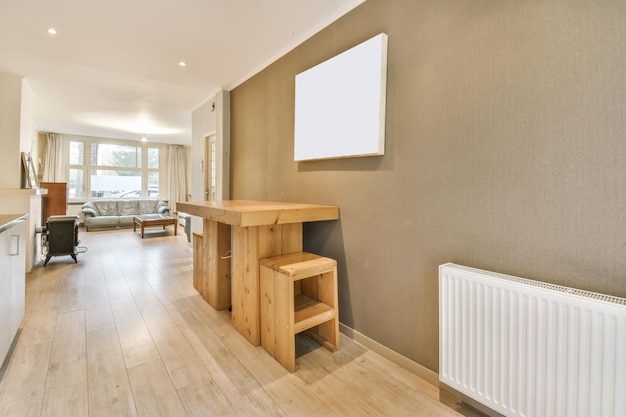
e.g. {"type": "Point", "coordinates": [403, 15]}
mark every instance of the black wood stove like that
{"type": "Point", "coordinates": [60, 237]}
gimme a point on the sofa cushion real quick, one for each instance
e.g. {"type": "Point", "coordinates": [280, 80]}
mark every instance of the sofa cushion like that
{"type": "Point", "coordinates": [147, 206]}
{"type": "Point", "coordinates": [102, 222]}
{"type": "Point", "coordinates": [126, 221]}
{"type": "Point", "coordinates": [106, 207]}
{"type": "Point", "coordinates": [127, 207]}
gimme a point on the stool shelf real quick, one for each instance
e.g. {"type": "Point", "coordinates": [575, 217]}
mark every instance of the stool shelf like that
{"type": "Point", "coordinates": [309, 312]}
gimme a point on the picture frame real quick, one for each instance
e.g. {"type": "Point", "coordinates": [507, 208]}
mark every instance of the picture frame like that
{"type": "Point", "coordinates": [340, 104]}
{"type": "Point", "coordinates": [30, 176]}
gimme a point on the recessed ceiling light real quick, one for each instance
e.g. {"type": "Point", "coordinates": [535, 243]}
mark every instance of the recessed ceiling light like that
{"type": "Point", "coordinates": [52, 31]}
{"type": "Point", "coordinates": [182, 64]}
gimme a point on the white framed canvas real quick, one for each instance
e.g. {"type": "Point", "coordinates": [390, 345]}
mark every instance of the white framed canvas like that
{"type": "Point", "coordinates": [340, 104]}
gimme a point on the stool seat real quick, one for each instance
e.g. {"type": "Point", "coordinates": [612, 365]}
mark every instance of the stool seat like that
{"type": "Point", "coordinates": [299, 265]}
{"type": "Point", "coordinates": [298, 293]}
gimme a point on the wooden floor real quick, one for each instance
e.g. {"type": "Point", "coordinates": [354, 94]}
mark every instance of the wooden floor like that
{"type": "Point", "coordinates": [123, 333]}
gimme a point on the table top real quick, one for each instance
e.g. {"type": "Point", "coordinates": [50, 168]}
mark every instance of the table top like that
{"type": "Point", "coordinates": [258, 213]}
{"type": "Point", "coordinates": [152, 216]}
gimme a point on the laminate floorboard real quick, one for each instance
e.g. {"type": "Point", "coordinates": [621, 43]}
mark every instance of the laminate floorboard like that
{"type": "Point", "coordinates": [123, 333]}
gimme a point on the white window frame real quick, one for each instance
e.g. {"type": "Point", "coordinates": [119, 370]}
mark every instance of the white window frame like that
{"type": "Point", "coordinates": [87, 167]}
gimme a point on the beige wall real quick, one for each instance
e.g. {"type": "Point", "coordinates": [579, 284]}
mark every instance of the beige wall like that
{"type": "Point", "coordinates": [203, 122]}
{"type": "Point", "coordinates": [10, 130]}
{"type": "Point", "coordinates": [212, 118]}
{"type": "Point", "coordinates": [505, 150]}
{"type": "Point", "coordinates": [18, 134]}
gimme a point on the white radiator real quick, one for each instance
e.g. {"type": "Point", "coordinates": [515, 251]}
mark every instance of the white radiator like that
{"type": "Point", "coordinates": [527, 348]}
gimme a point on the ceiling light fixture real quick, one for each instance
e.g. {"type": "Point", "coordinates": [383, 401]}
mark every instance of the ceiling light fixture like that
{"type": "Point", "coordinates": [145, 138]}
{"type": "Point", "coordinates": [52, 31]}
{"type": "Point", "coordinates": [182, 64]}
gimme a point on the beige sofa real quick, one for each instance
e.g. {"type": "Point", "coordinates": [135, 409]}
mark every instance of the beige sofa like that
{"type": "Point", "coordinates": [116, 214]}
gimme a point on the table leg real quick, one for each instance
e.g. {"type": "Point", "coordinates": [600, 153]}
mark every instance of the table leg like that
{"type": "Point", "coordinates": [214, 282]}
{"type": "Point", "coordinates": [249, 245]}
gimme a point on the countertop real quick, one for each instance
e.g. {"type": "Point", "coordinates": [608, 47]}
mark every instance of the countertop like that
{"type": "Point", "coordinates": [258, 213]}
{"type": "Point", "coordinates": [9, 220]}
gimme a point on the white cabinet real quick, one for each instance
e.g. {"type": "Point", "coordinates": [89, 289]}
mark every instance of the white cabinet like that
{"type": "Point", "coordinates": [5, 296]}
{"type": "Point", "coordinates": [17, 252]}
{"type": "Point", "coordinates": [12, 283]}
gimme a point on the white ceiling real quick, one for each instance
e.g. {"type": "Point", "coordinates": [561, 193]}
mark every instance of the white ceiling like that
{"type": "Point", "coordinates": [112, 69]}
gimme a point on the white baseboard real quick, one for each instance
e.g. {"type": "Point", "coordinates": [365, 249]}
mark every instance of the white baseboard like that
{"type": "Point", "coordinates": [400, 360]}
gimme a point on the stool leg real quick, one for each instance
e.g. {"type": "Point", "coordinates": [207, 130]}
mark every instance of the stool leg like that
{"type": "Point", "coordinates": [324, 288]}
{"type": "Point", "coordinates": [268, 310]}
{"type": "Point", "coordinates": [328, 295]}
{"type": "Point", "coordinates": [284, 348]}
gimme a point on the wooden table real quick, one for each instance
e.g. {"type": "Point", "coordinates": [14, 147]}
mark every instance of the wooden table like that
{"type": "Point", "coordinates": [258, 229]}
{"type": "Point", "coordinates": [153, 220]}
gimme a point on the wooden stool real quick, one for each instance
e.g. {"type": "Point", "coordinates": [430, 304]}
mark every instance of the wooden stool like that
{"type": "Point", "coordinates": [298, 293]}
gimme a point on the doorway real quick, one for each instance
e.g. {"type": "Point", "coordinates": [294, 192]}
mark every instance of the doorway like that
{"type": "Point", "coordinates": [210, 168]}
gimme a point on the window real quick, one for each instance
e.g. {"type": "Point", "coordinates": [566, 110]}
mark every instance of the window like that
{"type": "Point", "coordinates": [76, 172]}
{"type": "Point", "coordinates": [213, 170]}
{"type": "Point", "coordinates": [106, 154]}
{"type": "Point", "coordinates": [153, 172]}
{"type": "Point", "coordinates": [112, 169]}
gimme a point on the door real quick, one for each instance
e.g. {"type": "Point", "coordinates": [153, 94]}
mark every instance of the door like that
{"type": "Point", "coordinates": [210, 168]}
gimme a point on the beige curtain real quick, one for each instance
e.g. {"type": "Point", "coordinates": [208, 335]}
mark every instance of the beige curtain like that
{"type": "Point", "coordinates": [176, 179]}
{"type": "Point", "coordinates": [53, 171]}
